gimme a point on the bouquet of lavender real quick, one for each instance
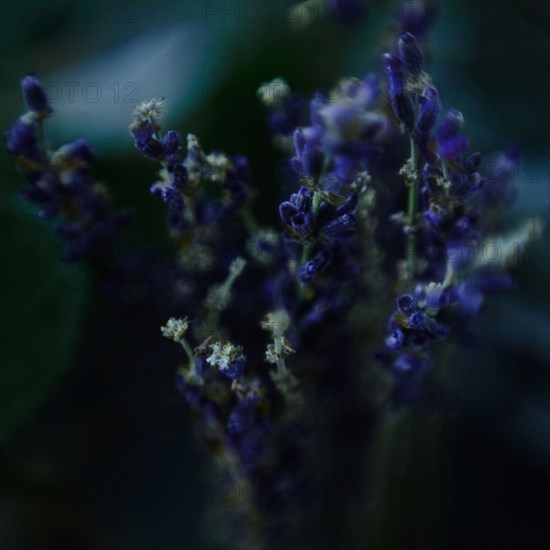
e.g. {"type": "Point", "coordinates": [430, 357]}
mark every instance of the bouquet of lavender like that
{"type": "Point", "coordinates": [299, 341]}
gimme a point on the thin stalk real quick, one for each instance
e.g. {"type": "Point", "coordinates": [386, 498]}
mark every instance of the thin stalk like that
{"type": "Point", "coordinates": [412, 210]}
{"type": "Point", "coordinates": [301, 287]}
{"type": "Point", "coordinates": [41, 135]}
{"type": "Point", "coordinates": [249, 221]}
{"type": "Point", "coordinates": [305, 254]}
{"type": "Point", "coordinates": [188, 351]}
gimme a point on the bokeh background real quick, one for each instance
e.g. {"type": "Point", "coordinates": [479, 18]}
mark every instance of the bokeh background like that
{"type": "Point", "coordinates": [97, 448]}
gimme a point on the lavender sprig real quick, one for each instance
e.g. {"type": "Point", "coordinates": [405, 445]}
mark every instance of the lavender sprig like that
{"type": "Point", "coordinates": [274, 321]}
{"type": "Point", "coordinates": [446, 207]}
{"type": "Point", "coordinates": [60, 182]}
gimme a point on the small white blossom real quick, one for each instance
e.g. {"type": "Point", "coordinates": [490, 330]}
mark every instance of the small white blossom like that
{"type": "Point", "coordinates": [149, 111]}
{"type": "Point", "coordinates": [175, 329]}
{"type": "Point", "coordinates": [218, 165]}
{"type": "Point", "coordinates": [222, 355]}
{"type": "Point", "coordinates": [278, 350]}
{"type": "Point", "coordinates": [276, 322]}
{"type": "Point", "coordinates": [272, 93]}
{"type": "Point", "coordinates": [270, 355]}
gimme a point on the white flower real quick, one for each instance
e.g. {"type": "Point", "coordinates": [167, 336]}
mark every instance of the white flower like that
{"type": "Point", "coordinates": [149, 111]}
{"type": "Point", "coordinates": [175, 329]}
{"type": "Point", "coordinates": [270, 355]}
{"type": "Point", "coordinates": [218, 164]}
{"type": "Point", "coordinates": [272, 93]}
{"type": "Point", "coordinates": [223, 354]}
{"type": "Point", "coordinates": [276, 322]}
{"type": "Point", "coordinates": [278, 350]}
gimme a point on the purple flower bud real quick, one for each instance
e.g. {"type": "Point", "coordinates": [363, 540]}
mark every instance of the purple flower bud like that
{"type": "Point", "coordinates": [411, 53]}
{"type": "Point", "coordinates": [201, 366]}
{"type": "Point", "coordinates": [21, 140]}
{"type": "Point", "coordinates": [301, 225]}
{"type": "Point", "coordinates": [316, 265]}
{"type": "Point", "coordinates": [406, 304]}
{"type": "Point", "coordinates": [179, 175]}
{"type": "Point", "coordinates": [146, 142]}
{"type": "Point", "coordinates": [302, 199]}
{"type": "Point", "coordinates": [417, 321]}
{"type": "Point", "coordinates": [286, 211]}
{"type": "Point", "coordinates": [345, 168]}
{"type": "Point", "coordinates": [406, 364]}
{"type": "Point", "coordinates": [451, 125]}
{"type": "Point", "coordinates": [80, 150]}
{"type": "Point", "coordinates": [285, 120]}
{"type": "Point", "coordinates": [418, 340]}
{"type": "Point", "coordinates": [308, 160]}
{"type": "Point", "coordinates": [343, 226]}
{"type": "Point", "coordinates": [400, 99]}
{"type": "Point", "coordinates": [470, 298]}
{"type": "Point", "coordinates": [34, 95]}
{"type": "Point", "coordinates": [396, 339]}
{"type": "Point", "coordinates": [451, 144]}
{"type": "Point", "coordinates": [239, 418]}
{"type": "Point", "coordinates": [241, 167]}
{"type": "Point", "coordinates": [235, 368]}
{"type": "Point", "coordinates": [171, 143]}
{"type": "Point", "coordinates": [428, 109]}
{"type": "Point", "coordinates": [395, 72]}
{"type": "Point", "coordinates": [453, 147]}
{"type": "Point", "coordinates": [176, 220]}
{"type": "Point", "coordinates": [435, 215]}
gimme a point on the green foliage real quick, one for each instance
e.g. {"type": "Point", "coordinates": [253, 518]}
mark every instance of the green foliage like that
{"type": "Point", "coordinates": [42, 304]}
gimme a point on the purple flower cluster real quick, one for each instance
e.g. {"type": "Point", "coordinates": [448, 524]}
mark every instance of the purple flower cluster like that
{"type": "Point", "coordinates": [274, 321]}
{"type": "Point", "coordinates": [448, 199]}
{"type": "Point", "coordinates": [60, 182]}
{"type": "Point", "coordinates": [198, 188]}
{"type": "Point", "coordinates": [325, 267]}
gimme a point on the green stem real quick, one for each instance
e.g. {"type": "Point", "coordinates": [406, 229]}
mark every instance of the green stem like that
{"type": "Point", "coordinates": [412, 210]}
{"type": "Point", "coordinates": [188, 351]}
{"type": "Point", "coordinates": [301, 287]}
{"type": "Point", "coordinates": [281, 366]}
{"type": "Point", "coordinates": [41, 137]}
{"type": "Point", "coordinates": [249, 221]}
{"type": "Point", "coordinates": [212, 321]}
{"type": "Point", "coordinates": [305, 254]}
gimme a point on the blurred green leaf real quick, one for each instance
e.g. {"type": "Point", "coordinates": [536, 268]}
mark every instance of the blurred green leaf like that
{"type": "Point", "coordinates": [41, 307]}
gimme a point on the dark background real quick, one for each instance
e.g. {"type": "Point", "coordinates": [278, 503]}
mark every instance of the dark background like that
{"type": "Point", "coordinates": [97, 447]}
